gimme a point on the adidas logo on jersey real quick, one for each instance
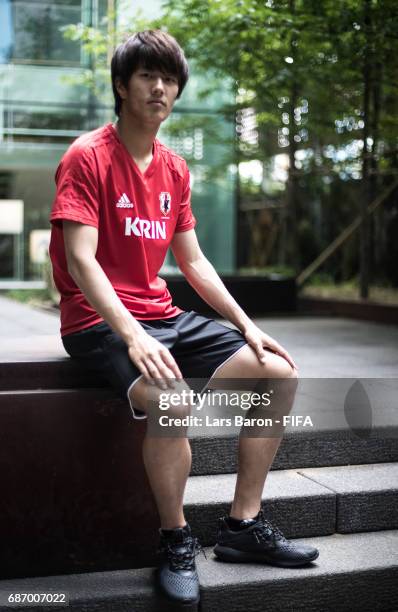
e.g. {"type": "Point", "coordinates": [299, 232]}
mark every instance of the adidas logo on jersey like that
{"type": "Point", "coordinates": [124, 202]}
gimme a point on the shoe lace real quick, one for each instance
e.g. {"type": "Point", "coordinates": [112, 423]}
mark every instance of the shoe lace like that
{"type": "Point", "coordinates": [265, 531]}
{"type": "Point", "coordinates": [181, 555]}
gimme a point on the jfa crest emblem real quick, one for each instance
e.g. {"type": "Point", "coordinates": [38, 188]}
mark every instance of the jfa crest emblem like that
{"type": "Point", "coordinates": [165, 202]}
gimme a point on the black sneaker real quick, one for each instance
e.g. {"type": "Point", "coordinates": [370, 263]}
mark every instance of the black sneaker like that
{"type": "Point", "coordinates": [176, 576]}
{"type": "Point", "coordinates": [261, 542]}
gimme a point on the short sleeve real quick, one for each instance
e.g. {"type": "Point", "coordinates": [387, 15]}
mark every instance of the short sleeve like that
{"type": "Point", "coordinates": [77, 193]}
{"type": "Point", "coordinates": [186, 220]}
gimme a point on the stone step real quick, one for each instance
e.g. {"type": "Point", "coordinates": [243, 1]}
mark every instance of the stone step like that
{"type": "Point", "coordinates": [354, 572]}
{"type": "Point", "coordinates": [75, 506]}
{"type": "Point", "coordinates": [349, 422]}
{"type": "Point", "coordinates": [218, 454]}
{"type": "Point", "coordinates": [305, 502]}
{"type": "Point", "coordinates": [367, 495]}
{"type": "Point", "coordinates": [214, 450]}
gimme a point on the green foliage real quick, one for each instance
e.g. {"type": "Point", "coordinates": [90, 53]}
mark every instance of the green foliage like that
{"type": "Point", "coordinates": [275, 270]}
{"type": "Point", "coordinates": [29, 296]}
{"type": "Point", "coordinates": [24, 295]}
{"type": "Point", "coordinates": [320, 279]}
{"type": "Point", "coordinates": [302, 66]}
{"type": "Point", "coordinates": [48, 296]}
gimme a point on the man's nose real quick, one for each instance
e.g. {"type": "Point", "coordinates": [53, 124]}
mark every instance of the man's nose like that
{"type": "Point", "coordinates": [158, 84]}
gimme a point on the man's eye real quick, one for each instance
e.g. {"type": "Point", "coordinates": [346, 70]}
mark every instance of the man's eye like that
{"type": "Point", "coordinates": [171, 79]}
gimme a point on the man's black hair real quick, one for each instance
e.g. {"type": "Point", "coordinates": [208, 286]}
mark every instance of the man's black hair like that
{"type": "Point", "coordinates": [153, 50]}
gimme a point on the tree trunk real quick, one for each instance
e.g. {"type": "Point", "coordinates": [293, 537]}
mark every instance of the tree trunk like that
{"type": "Point", "coordinates": [365, 199]}
{"type": "Point", "coordinates": [291, 246]}
{"type": "Point", "coordinates": [378, 238]}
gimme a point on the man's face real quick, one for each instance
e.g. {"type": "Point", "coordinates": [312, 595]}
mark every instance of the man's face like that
{"type": "Point", "coordinates": [149, 96]}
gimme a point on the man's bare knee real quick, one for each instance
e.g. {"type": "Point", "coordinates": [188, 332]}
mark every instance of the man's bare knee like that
{"type": "Point", "coordinates": [153, 400]}
{"type": "Point", "coordinates": [177, 402]}
{"type": "Point", "coordinates": [283, 369]}
{"type": "Point", "coordinates": [285, 378]}
{"type": "Point", "coordinates": [281, 392]}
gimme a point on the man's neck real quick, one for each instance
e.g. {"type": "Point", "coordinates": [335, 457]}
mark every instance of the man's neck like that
{"type": "Point", "coordinates": [138, 139]}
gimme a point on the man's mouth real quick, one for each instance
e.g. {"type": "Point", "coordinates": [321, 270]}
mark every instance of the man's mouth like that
{"type": "Point", "coordinates": [157, 102]}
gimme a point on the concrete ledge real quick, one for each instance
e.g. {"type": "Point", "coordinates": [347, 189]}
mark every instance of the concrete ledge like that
{"type": "Point", "coordinates": [297, 505]}
{"type": "Point", "coordinates": [343, 499]}
{"type": "Point", "coordinates": [218, 454]}
{"type": "Point", "coordinates": [71, 470]}
{"type": "Point", "coordinates": [367, 495]}
{"type": "Point", "coordinates": [353, 572]}
{"type": "Point", "coordinates": [212, 454]}
{"type": "Point", "coordinates": [74, 506]}
{"type": "Point", "coordinates": [11, 283]}
{"type": "Point", "coordinates": [61, 373]}
{"type": "Point", "coordinates": [114, 591]}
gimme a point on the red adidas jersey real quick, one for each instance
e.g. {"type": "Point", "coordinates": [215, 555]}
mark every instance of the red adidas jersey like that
{"type": "Point", "coordinates": [137, 214]}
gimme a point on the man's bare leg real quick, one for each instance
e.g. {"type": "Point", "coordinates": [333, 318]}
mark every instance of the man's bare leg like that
{"type": "Point", "coordinates": [168, 464]}
{"type": "Point", "coordinates": [259, 540]}
{"type": "Point", "coordinates": [255, 459]}
{"type": "Point", "coordinates": [256, 454]}
{"type": "Point", "coordinates": [167, 460]}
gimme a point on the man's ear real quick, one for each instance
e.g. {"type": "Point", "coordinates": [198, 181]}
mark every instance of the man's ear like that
{"type": "Point", "coordinates": [120, 88]}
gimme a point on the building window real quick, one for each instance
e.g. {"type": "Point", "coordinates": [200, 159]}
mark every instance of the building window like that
{"type": "Point", "coordinates": [30, 31]}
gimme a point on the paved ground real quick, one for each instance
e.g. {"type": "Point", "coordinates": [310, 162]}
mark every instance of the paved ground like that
{"type": "Point", "coordinates": [322, 347]}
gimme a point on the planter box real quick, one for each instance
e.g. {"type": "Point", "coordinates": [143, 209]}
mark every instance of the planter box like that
{"type": "Point", "coordinates": [367, 311]}
{"type": "Point", "coordinates": [257, 295]}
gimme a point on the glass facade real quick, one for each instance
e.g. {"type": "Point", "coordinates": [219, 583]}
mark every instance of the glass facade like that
{"type": "Point", "coordinates": [43, 108]}
{"type": "Point", "coordinates": [33, 31]}
{"type": "Point", "coordinates": [213, 183]}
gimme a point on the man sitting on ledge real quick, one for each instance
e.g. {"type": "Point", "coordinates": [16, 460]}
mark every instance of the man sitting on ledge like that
{"type": "Point", "coordinates": [122, 199]}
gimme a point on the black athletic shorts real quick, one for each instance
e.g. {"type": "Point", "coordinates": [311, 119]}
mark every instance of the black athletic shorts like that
{"type": "Point", "coordinates": [198, 344]}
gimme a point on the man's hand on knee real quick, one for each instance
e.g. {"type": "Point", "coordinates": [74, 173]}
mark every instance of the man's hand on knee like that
{"type": "Point", "coordinates": [154, 361]}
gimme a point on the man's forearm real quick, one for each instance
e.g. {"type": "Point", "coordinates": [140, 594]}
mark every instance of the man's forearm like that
{"type": "Point", "coordinates": [202, 276]}
{"type": "Point", "coordinates": [97, 289]}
